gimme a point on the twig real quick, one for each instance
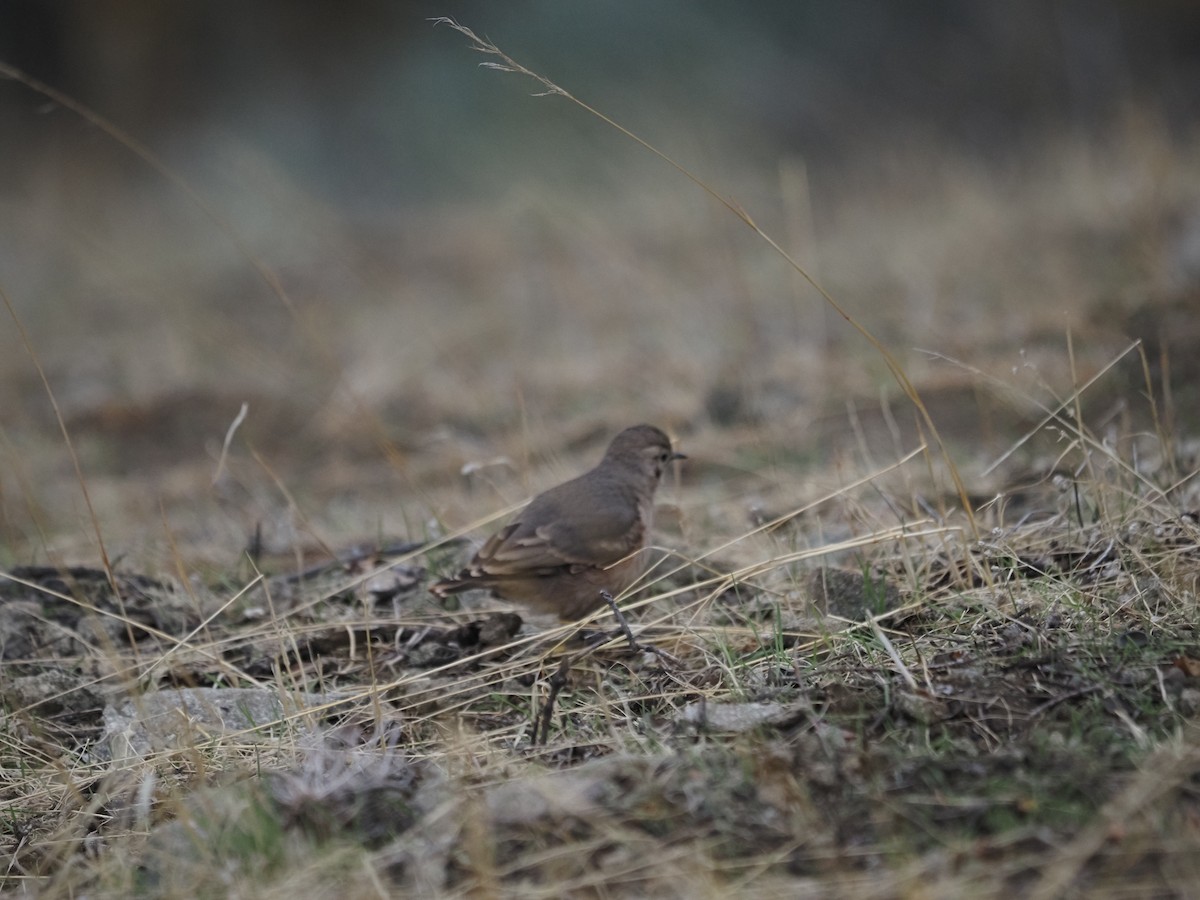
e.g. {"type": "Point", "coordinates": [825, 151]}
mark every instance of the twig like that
{"type": "Point", "coordinates": [622, 622]}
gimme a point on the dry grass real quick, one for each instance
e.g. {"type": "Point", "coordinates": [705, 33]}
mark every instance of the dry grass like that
{"type": "Point", "coordinates": [845, 687]}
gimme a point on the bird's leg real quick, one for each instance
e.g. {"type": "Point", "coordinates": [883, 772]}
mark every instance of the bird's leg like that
{"type": "Point", "coordinates": [663, 656]}
{"type": "Point", "coordinates": [621, 620]}
{"type": "Point", "coordinates": [558, 681]}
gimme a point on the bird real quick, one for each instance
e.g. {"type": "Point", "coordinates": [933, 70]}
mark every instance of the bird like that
{"type": "Point", "coordinates": [578, 538]}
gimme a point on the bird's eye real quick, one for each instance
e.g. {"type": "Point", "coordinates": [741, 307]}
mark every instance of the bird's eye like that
{"type": "Point", "coordinates": [664, 456]}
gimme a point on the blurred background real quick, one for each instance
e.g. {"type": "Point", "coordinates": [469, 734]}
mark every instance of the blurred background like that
{"type": "Point", "coordinates": [409, 266]}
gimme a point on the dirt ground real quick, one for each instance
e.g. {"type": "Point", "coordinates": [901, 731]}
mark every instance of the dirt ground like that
{"type": "Point", "coordinates": [874, 660]}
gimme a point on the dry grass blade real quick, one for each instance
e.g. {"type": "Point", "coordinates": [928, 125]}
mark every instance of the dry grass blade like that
{"type": "Point", "coordinates": [1051, 415]}
{"type": "Point", "coordinates": [508, 64]}
{"type": "Point", "coordinates": [823, 685]}
{"type": "Point", "coordinates": [66, 436]}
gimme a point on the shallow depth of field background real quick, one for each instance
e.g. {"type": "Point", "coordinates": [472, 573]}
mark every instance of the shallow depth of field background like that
{"type": "Point", "coordinates": [1007, 195]}
{"type": "Point", "coordinates": [433, 293]}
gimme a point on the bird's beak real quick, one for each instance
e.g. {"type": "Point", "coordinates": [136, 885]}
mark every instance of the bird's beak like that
{"type": "Point", "coordinates": [677, 455]}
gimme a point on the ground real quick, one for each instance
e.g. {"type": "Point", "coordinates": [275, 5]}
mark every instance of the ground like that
{"type": "Point", "coordinates": [885, 652]}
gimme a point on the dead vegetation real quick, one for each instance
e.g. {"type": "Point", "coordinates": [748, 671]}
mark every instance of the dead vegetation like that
{"type": "Point", "coordinates": [933, 712]}
{"type": "Point", "coordinates": [842, 684]}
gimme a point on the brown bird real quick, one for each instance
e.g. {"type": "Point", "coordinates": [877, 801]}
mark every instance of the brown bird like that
{"type": "Point", "coordinates": [586, 535]}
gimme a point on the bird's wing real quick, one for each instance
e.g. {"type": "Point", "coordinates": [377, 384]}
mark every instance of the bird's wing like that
{"type": "Point", "coordinates": [585, 539]}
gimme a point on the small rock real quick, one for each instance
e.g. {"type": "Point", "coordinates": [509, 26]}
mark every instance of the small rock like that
{"type": "Point", "coordinates": [736, 718]}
